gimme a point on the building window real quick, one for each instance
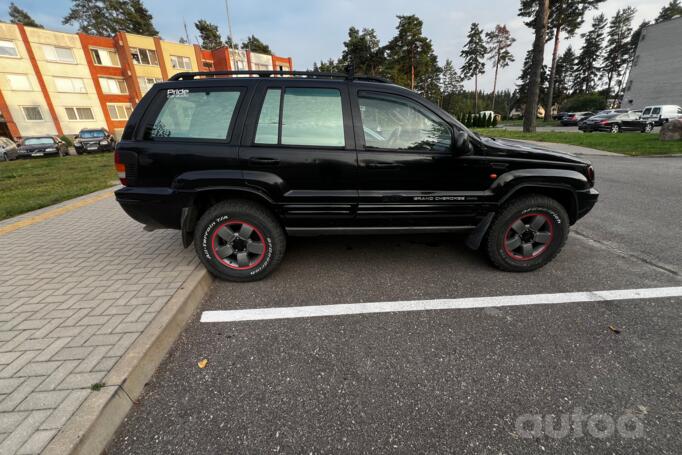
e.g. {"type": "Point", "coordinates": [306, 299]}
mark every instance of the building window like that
{"type": "Point", "coordinates": [146, 83]}
{"type": "Point", "coordinates": [261, 67]}
{"type": "Point", "coordinates": [239, 65]}
{"type": "Point", "coordinates": [105, 57]}
{"type": "Point", "coordinates": [144, 56]}
{"type": "Point", "coordinates": [59, 54]}
{"type": "Point", "coordinates": [69, 85]}
{"type": "Point", "coordinates": [112, 86]}
{"type": "Point", "coordinates": [19, 82]}
{"type": "Point", "coordinates": [32, 113]}
{"type": "Point", "coordinates": [180, 62]}
{"type": "Point", "coordinates": [79, 113]}
{"type": "Point", "coordinates": [119, 111]}
{"type": "Point", "coordinates": [8, 49]}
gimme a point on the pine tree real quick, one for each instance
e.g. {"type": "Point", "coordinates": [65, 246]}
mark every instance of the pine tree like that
{"type": "Point", "coordinates": [107, 17]}
{"type": "Point", "coordinates": [450, 80]}
{"type": "Point", "coordinates": [255, 45]}
{"type": "Point", "coordinates": [137, 19]}
{"type": "Point", "coordinates": [618, 47]}
{"type": "Point", "coordinates": [19, 16]}
{"type": "Point", "coordinates": [588, 61]}
{"type": "Point", "coordinates": [363, 50]}
{"type": "Point", "coordinates": [565, 73]}
{"type": "Point", "coordinates": [499, 41]}
{"type": "Point", "coordinates": [672, 9]}
{"type": "Point", "coordinates": [540, 24]}
{"type": "Point", "coordinates": [410, 60]}
{"type": "Point", "coordinates": [565, 17]}
{"type": "Point", "coordinates": [209, 34]}
{"type": "Point", "coordinates": [474, 53]}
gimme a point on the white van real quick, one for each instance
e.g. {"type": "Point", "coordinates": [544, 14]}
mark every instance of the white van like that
{"type": "Point", "coordinates": [658, 115]}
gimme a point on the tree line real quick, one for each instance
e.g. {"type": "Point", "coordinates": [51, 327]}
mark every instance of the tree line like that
{"type": "Point", "coordinates": [107, 17]}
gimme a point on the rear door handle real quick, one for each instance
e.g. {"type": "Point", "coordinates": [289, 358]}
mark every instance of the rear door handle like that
{"type": "Point", "coordinates": [263, 161]}
{"type": "Point", "coordinates": [383, 165]}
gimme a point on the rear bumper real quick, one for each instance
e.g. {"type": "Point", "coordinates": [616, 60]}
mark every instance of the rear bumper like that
{"type": "Point", "coordinates": [159, 208]}
{"type": "Point", "coordinates": [586, 201]}
{"type": "Point", "coordinates": [85, 148]}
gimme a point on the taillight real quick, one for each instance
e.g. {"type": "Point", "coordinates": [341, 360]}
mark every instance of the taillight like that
{"type": "Point", "coordinates": [590, 174]}
{"type": "Point", "coordinates": [120, 168]}
{"type": "Point", "coordinates": [604, 122]}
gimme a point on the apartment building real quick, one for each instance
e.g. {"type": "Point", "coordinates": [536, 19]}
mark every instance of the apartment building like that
{"type": "Point", "coordinates": [656, 73]}
{"type": "Point", "coordinates": [58, 83]}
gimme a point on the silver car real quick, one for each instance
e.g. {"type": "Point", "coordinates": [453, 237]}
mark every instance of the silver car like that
{"type": "Point", "coordinates": [8, 149]}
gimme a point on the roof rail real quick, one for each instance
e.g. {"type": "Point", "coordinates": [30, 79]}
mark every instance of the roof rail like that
{"type": "Point", "coordinates": [188, 76]}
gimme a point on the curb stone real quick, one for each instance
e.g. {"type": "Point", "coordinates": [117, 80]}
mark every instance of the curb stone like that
{"type": "Point", "coordinates": [93, 425]}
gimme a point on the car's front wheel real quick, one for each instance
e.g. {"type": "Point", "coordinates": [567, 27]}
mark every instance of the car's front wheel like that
{"type": "Point", "coordinates": [648, 128]}
{"type": "Point", "coordinates": [239, 241]}
{"type": "Point", "coordinates": [527, 233]}
{"type": "Point", "coordinates": [615, 129]}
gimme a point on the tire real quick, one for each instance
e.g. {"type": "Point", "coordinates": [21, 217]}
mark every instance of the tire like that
{"type": "Point", "coordinates": [615, 129]}
{"type": "Point", "coordinates": [4, 156]}
{"type": "Point", "coordinates": [648, 128]}
{"type": "Point", "coordinates": [239, 241]}
{"type": "Point", "coordinates": [546, 238]}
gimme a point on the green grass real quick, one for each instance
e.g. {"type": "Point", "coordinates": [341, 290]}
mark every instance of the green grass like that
{"type": "Point", "coordinates": [31, 184]}
{"type": "Point", "coordinates": [520, 123]}
{"type": "Point", "coordinates": [634, 144]}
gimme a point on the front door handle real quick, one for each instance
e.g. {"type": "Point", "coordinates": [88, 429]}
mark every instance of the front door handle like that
{"type": "Point", "coordinates": [263, 161]}
{"type": "Point", "coordinates": [383, 165]}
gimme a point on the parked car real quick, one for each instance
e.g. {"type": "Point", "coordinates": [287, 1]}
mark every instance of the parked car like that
{"type": "Point", "coordinates": [574, 118]}
{"type": "Point", "coordinates": [94, 140]}
{"type": "Point", "coordinates": [37, 146]}
{"type": "Point", "coordinates": [8, 149]}
{"type": "Point", "coordinates": [238, 163]}
{"type": "Point", "coordinates": [658, 115]}
{"type": "Point", "coordinates": [612, 123]}
{"type": "Point", "coordinates": [613, 111]}
{"type": "Point", "coordinates": [559, 115]}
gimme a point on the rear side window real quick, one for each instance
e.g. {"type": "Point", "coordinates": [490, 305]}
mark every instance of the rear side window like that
{"type": "Point", "coordinates": [309, 117]}
{"type": "Point", "coordinates": [195, 114]}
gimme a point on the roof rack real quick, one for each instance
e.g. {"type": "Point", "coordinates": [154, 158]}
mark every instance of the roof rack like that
{"type": "Point", "coordinates": [188, 76]}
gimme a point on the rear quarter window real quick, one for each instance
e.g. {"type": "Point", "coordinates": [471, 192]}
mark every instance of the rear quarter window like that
{"type": "Point", "coordinates": [194, 114]}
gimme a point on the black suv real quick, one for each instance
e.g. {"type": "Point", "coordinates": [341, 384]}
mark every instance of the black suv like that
{"type": "Point", "coordinates": [239, 163]}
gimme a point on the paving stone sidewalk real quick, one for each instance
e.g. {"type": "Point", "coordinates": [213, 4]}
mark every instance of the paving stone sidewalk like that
{"type": "Point", "coordinates": [76, 290]}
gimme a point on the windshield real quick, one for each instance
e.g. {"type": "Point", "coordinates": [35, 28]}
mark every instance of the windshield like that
{"type": "Point", "coordinates": [38, 140]}
{"type": "Point", "coordinates": [91, 134]}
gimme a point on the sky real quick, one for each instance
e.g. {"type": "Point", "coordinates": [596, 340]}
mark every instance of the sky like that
{"type": "Point", "coordinates": [314, 30]}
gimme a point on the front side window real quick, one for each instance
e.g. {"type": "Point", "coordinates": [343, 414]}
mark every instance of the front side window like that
{"type": "Point", "coordinates": [144, 56]}
{"type": "Point", "coordinates": [8, 49]}
{"type": "Point", "coordinates": [32, 113]}
{"type": "Point", "coordinates": [310, 117]}
{"type": "Point", "coordinates": [397, 123]}
{"type": "Point", "coordinates": [180, 62]}
{"type": "Point", "coordinates": [195, 114]}
{"type": "Point", "coordinates": [79, 113]}
{"type": "Point", "coordinates": [59, 54]}
{"type": "Point", "coordinates": [656, 111]}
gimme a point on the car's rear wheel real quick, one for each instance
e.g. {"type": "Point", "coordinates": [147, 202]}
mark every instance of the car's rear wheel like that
{"type": "Point", "coordinates": [527, 234]}
{"type": "Point", "coordinates": [239, 241]}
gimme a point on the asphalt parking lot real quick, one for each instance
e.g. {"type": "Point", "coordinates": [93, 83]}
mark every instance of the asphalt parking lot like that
{"type": "Point", "coordinates": [474, 380]}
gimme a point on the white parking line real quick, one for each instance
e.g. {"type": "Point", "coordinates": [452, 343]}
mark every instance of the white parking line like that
{"type": "Point", "coordinates": [258, 314]}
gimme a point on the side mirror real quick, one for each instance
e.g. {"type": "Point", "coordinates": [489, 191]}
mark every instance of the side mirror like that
{"type": "Point", "coordinates": [460, 142]}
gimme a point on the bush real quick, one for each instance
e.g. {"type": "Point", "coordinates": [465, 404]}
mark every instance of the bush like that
{"type": "Point", "coordinates": [586, 102]}
{"type": "Point", "coordinates": [67, 140]}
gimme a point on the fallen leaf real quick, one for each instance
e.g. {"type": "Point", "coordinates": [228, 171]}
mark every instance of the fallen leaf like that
{"type": "Point", "coordinates": [202, 363]}
{"type": "Point", "coordinates": [614, 329]}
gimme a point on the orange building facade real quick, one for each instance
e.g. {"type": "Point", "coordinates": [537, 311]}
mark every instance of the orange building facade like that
{"type": "Point", "coordinates": [57, 83]}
